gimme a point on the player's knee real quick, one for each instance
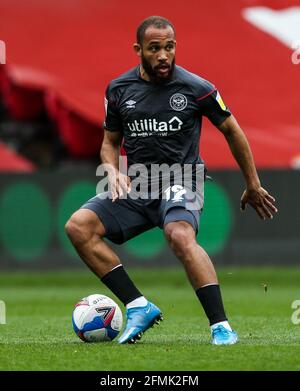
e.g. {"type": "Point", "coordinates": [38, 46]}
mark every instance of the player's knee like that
{"type": "Point", "coordinates": [78, 229]}
{"type": "Point", "coordinates": [178, 236]}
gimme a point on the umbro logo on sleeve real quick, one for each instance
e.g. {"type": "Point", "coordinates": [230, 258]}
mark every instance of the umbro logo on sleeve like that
{"type": "Point", "coordinates": [130, 104]}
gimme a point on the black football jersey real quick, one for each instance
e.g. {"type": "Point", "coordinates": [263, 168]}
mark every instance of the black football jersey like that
{"type": "Point", "coordinates": [161, 123]}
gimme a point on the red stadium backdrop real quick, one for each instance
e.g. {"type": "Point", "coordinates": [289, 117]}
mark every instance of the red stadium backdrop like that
{"type": "Point", "coordinates": [62, 54]}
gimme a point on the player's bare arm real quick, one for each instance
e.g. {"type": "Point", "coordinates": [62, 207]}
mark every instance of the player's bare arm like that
{"type": "Point", "coordinates": [110, 152]}
{"type": "Point", "coordinates": [254, 194]}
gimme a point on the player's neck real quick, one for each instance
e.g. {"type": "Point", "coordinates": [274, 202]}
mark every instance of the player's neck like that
{"type": "Point", "coordinates": [144, 75]}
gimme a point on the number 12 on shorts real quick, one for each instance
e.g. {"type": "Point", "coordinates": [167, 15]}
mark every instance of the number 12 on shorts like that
{"type": "Point", "coordinates": [176, 192]}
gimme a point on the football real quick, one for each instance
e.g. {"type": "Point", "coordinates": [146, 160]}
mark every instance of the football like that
{"type": "Point", "coordinates": [97, 318]}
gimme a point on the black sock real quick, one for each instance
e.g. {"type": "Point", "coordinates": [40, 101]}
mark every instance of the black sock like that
{"type": "Point", "coordinates": [121, 285]}
{"type": "Point", "coordinates": [211, 300]}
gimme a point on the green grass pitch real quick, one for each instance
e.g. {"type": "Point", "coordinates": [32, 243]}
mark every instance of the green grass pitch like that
{"type": "Point", "coordinates": [38, 334]}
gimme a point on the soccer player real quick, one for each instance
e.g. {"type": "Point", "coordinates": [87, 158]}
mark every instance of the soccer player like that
{"type": "Point", "coordinates": [156, 108]}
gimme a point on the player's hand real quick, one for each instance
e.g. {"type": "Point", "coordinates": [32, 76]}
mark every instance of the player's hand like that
{"type": "Point", "coordinates": [261, 201]}
{"type": "Point", "coordinates": [119, 183]}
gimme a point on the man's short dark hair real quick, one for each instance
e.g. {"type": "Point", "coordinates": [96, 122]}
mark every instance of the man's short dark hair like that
{"type": "Point", "coordinates": [156, 21]}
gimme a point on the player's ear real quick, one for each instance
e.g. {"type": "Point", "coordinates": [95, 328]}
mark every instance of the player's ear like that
{"type": "Point", "coordinates": [137, 48]}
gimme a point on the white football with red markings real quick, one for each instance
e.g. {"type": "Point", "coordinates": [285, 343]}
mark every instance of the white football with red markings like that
{"type": "Point", "coordinates": [97, 318]}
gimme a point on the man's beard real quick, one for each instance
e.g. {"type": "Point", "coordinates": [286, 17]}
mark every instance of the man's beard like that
{"type": "Point", "coordinates": [153, 72]}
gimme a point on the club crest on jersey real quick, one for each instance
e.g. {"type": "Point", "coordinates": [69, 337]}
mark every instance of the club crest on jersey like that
{"type": "Point", "coordinates": [178, 102]}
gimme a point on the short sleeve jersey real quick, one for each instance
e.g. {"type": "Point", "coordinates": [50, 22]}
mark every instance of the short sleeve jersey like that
{"type": "Point", "coordinates": [161, 123]}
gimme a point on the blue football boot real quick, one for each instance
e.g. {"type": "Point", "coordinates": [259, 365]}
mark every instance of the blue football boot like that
{"type": "Point", "coordinates": [223, 336]}
{"type": "Point", "coordinates": [140, 319]}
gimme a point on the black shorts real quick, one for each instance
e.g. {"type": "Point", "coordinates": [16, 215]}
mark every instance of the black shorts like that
{"type": "Point", "coordinates": [126, 218]}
